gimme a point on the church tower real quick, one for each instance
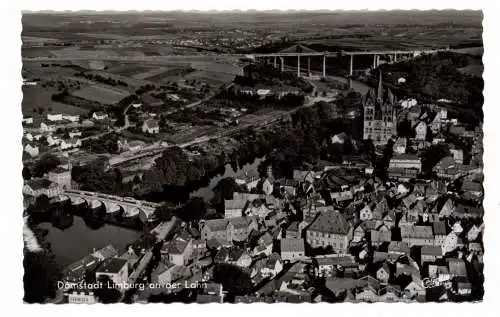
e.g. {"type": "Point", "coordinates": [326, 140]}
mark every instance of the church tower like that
{"type": "Point", "coordinates": [379, 116]}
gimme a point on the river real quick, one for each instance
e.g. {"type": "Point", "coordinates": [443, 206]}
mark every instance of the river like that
{"type": "Point", "coordinates": [207, 191]}
{"type": "Point", "coordinates": [73, 243]}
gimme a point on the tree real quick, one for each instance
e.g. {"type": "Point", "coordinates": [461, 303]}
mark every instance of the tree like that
{"type": "Point", "coordinates": [45, 164]}
{"type": "Point", "coordinates": [193, 210]}
{"type": "Point", "coordinates": [164, 213]}
{"type": "Point", "coordinates": [107, 293]}
{"type": "Point", "coordinates": [26, 173]}
{"type": "Point", "coordinates": [233, 279]}
{"type": "Point", "coordinates": [41, 274]}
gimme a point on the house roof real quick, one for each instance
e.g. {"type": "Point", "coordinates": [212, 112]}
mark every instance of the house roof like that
{"type": "Point", "coordinates": [439, 228]}
{"type": "Point", "coordinates": [431, 250]}
{"type": "Point", "coordinates": [472, 186]}
{"type": "Point", "coordinates": [177, 246]}
{"type": "Point", "coordinates": [344, 260]}
{"type": "Point", "coordinates": [38, 183]}
{"type": "Point", "coordinates": [405, 157]}
{"type": "Point", "coordinates": [330, 222]}
{"type": "Point", "coordinates": [217, 224]}
{"type": "Point", "coordinates": [292, 245]}
{"type": "Point", "coordinates": [457, 266]}
{"type": "Point", "coordinates": [294, 226]}
{"type": "Point", "coordinates": [422, 232]}
{"type": "Point", "coordinates": [380, 236]}
{"type": "Point", "coordinates": [151, 123]}
{"type": "Point", "coordinates": [463, 209]}
{"type": "Point", "coordinates": [112, 265]}
{"type": "Point", "coordinates": [399, 246]}
{"type": "Point", "coordinates": [107, 252]}
{"type": "Point", "coordinates": [235, 203]}
{"type": "Point", "coordinates": [445, 163]}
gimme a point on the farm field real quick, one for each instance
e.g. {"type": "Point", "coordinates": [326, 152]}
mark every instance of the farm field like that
{"type": "Point", "coordinates": [101, 93]}
{"type": "Point", "coordinates": [35, 97]}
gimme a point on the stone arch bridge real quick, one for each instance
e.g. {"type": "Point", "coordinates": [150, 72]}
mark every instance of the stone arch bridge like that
{"type": "Point", "coordinates": [131, 207]}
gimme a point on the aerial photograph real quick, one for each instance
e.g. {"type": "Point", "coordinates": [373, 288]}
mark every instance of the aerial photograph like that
{"type": "Point", "coordinates": [252, 156]}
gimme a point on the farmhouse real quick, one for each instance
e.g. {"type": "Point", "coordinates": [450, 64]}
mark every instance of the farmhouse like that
{"type": "Point", "coordinates": [99, 115]}
{"type": "Point", "coordinates": [31, 150]}
{"type": "Point", "coordinates": [151, 126]}
{"type": "Point", "coordinates": [27, 120]}
{"type": "Point", "coordinates": [71, 117]}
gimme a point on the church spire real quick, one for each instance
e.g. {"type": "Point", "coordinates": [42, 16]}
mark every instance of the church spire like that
{"type": "Point", "coordinates": [380, 89]}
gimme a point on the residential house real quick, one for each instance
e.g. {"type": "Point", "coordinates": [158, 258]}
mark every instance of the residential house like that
{"type": "Point", "coordinates": [151, 126]}
{"type": "Point", "coordinates": [74, 134]}
{"type": "Point", "coordinates": [292, 231]}
{"type": "Point", "coordinates": [292, 249]}
{"type": "Point", "coordinates": [450, 243]}
{"type": "Point", "coordinates": [383, 273]}
{"type": "Point", "coordinates": [458, 155]}
{"type": "Point", "coordinates": [77, 272]}
{"type": "Point", "coordinates": [106, 252]}
{"type": "Point", "coordinates": [456, 267]}
{"type": "Point", "coordinates": [211, 293]}
{"type": "Point", "coordinates": [330, 229]}
{"type": "Point", "coordinates": [439, 272]}
{"type": "Point", "coordinates": [420, 131]}
{"type": "Point", "coordinates": [472, 190]}
{"type": "Point", "coordinates": [228, 229]}
{"type": "Point", "coordinates": [165, 274]}
{"type": "Point", "coordinates": [398, 248]}
{"type": "Point", "coordinates": [27, 120]}
{"type": "Point", "coordinates": [473, 233]}
{"type": "Point", "coordinates": [267, 186]}
{"type": "Point", "coordinates": [399, 146]}
{"type": "Point", "coordinates": [417, 235]}
{"type": "Point", "coordinates": [401, 174]}
{"type": "Point", "coordinates": [463, 286]}
{"type": "Point", "coordinates": [179, 250]}
{"type": "Point", "coordinates": [415, 290]}
{"type": "Point", "coordinates": [239, 257]}
{"type": "Point", "coordinates": [115, 269]}
{"type": "Point", "coordinates": [44, 127]}
{"type": "Point", "coordinates": [379, 237]}
{"type": "Point", "coordinates": [249, 179]}
{"type": "Point", "coordinates": [234, 207]}
{"type": "Point", "coordinates": [468, 212]}
{"type": "Point", "coordinates": [81, 296]}
{"type": "Point", "coordinates": [53, 140]}
{"type": "Point", "coordinates": [71, 117]}
{"type": "Point", "coordinates": [99, 115]}
{"type": "Point", "coordinates": [447, 168]}
{"type": "Point", "coordinates": [70, 144]}
{"type": "Point", "coordinates": [365, 213]}
{"type": "Point", "coordinates": [33, 151]}
{"type": "Point", "coordinates": [264, 245]}
{"type": "Point", "coordinates": [328, 265]}
{"type": "Point", "coordinates": [430, 253]}
{"type": "Point", "coordinates": [440, 233]}
{"type": "Point", "coordinates": [406, 161]}
{"type": "Point", "coordinates": [273, 266]}
{"type": "Point", "coordinates": [54, 117]}
{"type": "Point", "coordinates": [40, 186]}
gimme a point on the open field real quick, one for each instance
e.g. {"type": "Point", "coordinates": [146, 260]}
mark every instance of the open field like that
{"type": "Point", "coordinates": [35, 97]}
{"type": "Point", "coordinates": [101, 93]}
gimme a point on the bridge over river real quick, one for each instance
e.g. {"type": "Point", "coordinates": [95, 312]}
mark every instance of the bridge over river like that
{"type": "Point", "coordinates": [131, 207]}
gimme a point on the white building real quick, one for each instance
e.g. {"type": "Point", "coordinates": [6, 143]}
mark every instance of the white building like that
{"type": "Point", "coordinates": [71, 117]}
{"type": "Point", "coordinates": [114, 268]}
{"type": "Point", "coordinates": [27, 120]}
{"type": "Point", "coordinates": [54, 117]}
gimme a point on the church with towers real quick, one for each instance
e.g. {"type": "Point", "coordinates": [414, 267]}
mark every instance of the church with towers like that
{"type": "Point", "coordinates": [379, 115]}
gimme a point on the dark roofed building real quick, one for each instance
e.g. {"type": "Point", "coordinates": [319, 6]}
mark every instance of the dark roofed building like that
{"type": "Point", "coordinates": [330, 229]}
